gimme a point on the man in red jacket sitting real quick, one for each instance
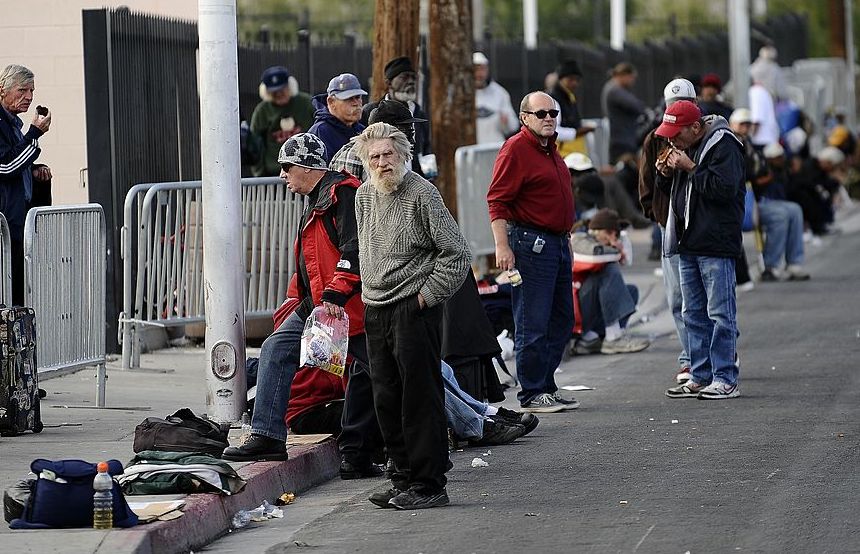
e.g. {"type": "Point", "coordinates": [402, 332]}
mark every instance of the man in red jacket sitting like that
{"type": "Point", "coordinates": [327, 274]}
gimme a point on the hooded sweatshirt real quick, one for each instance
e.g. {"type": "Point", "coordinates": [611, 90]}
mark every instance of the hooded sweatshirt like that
{"type": "Point", "coordinates": [707, 206]}
{"type": "Point", "coordinates": [333, 132]}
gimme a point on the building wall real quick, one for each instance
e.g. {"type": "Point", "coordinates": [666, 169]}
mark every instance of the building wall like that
{"type": "Point", "coordinates": [45, 36]}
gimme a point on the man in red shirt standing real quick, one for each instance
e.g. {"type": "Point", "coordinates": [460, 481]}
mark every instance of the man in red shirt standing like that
{"type": "Point", "coordinates": [531, 210]}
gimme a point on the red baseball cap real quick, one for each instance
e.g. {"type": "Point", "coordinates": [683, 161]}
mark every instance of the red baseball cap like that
{"type": "Point", "coordinates": [677, 116]}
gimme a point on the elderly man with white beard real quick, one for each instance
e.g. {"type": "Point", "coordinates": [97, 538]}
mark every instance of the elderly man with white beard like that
{"type": "Point", "coordinates": [413, 257]}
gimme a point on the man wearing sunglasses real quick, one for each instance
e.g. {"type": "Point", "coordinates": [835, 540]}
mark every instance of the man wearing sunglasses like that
{"type": "Point", "coordinates": [531, 210]}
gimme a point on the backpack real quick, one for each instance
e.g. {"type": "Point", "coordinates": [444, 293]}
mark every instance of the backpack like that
{"type": "Point", "coordinates": [181, 432]}
{"type": "Point", "coordinates": [62, 496]}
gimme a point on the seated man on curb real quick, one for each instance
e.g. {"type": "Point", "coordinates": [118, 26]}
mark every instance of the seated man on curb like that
{"type": "Point", "coordinates": [605, 301]}
{"type": "Point", "coordinates": [781, 219]}
{"type": "Point", "coordinates": [327, 274]}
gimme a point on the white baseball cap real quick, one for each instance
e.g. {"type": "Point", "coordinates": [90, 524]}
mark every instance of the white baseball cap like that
{"type": "Point", "coordinates": [578, 161]}
{"type": "Point", "coordinates": [679, 89]}
{"type": "Point", "coordinates": [478, 58]}
{"type": "Point", "coordinates": [741, 115]}
{"type": "Point", "coordinates": [773, 150]}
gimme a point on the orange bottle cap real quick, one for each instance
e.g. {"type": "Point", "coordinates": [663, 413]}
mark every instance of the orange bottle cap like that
{"type": "Point", "coordinates": [103, 467]}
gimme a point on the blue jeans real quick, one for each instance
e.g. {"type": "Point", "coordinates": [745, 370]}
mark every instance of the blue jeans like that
{"type": "Point", "coordinates": [710, 314]}
{"type": "Point", "coordinates": [605, 298]}
{"type": "Point", "coordinates": [543, 308]}
{"type": "Point", "coordinates": [279, 361]}
{"type": "Point", "coordinates": [783, 223]}
{"type": "Point", "coordinates": [672, 283]}
{"type": "Point", "coordinates": [465, 415]}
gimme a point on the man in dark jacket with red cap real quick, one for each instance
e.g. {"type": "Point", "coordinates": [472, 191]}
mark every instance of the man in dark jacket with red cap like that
{"type": "Point", "coordinates": [704, 174]}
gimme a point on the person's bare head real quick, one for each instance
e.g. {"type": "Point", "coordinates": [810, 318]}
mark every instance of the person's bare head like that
{"type": "Point", "coordinates": [384, 150]}
{"type": "Point", "coordinates": [16, 88]}
{"type": "Point", "coordinates": [538, 112]}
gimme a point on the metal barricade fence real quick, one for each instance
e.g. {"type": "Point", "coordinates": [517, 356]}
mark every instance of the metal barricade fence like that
{"type": "Point", "coordinates": [163, 267]}
{"type": "Point", "coordinates": [474, 168]}
{"type": "Point", "coordinates": [65, 257]}
{"type": "Point", "coordinates": [5, 262]}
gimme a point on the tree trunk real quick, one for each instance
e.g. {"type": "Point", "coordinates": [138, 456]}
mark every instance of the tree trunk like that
{"type": "Point", "coordinates": [396, 26]}
{"type": "Point", "coordinates": [452, 89]}
{"type": "Point", "coordinates": [836, 16]}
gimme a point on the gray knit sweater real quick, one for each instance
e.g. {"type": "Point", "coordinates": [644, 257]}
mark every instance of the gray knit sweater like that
{"type": "Point", "coordinates": [408, 243]}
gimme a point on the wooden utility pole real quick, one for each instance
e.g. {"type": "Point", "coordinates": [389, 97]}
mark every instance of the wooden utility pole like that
{"type": "Point", "coordinates": [452, 89]}
{"type": "Point", "coordinates": [396, 25]}
{"type": "Point", "coordinates": [836, 15]}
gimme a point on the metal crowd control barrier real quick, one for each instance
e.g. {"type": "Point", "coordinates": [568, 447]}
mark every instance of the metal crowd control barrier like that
{"type": "Point", "coordinates": [5, 263]}
{"type": "Point", "coordinates": [474, 167]}
{"type": "Point", "coordinates": [598, 141]}
{"type": "Point", "coordinates": [65, 263]}
{"type": "Point", "coordinates": [163, 261]}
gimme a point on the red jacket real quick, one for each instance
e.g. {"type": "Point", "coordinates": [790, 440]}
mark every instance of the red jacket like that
{"type": "Point", "coordinates": [332, 277]}
{"type": "Point", "coordinates": [531, 185]}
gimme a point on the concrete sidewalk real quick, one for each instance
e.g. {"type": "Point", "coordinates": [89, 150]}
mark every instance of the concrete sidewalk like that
{"type": "Point", "coordinates": [174, 378]}
{"type": "Point", "coordinates": [75, 428]}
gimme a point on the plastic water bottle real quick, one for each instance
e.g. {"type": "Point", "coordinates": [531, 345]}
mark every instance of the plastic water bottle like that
{"type": "Point", "coordinates": [103, 498]}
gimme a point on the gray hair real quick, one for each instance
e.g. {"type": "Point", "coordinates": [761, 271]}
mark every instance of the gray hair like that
{"type": "Point", "coordinates": [379, 131]}
{"type": "Point", "coordinates": [14, 75]}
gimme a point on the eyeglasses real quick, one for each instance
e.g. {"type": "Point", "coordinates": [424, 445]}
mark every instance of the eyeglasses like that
{"type": "Point", "coordinates": [541, 114]}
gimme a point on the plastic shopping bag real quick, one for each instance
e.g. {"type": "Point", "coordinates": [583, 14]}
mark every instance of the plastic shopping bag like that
{"type": "Point", "coordinates": [325, 341]}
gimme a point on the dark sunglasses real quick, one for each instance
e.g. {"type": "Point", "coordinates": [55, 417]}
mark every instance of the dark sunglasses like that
{"type": "Point", "coordinates": [541, 114]}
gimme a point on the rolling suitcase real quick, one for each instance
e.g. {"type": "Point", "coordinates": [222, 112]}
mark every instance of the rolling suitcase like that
{"type": "Point", "coordinates": [19, 381]}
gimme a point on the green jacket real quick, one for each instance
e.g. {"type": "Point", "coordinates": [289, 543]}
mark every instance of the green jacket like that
{"type": "Point", "coordinates": [273, 125]}
{"type": "Point", "coordinates": [156, 472]}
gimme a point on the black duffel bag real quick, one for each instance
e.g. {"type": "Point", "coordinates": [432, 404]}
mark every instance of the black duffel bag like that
{"type": "Point", "coordinates": [181, 432]}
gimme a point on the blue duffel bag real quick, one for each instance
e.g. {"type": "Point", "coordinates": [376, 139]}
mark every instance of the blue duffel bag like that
{"type": "Point", "coordinates": [63, 496]}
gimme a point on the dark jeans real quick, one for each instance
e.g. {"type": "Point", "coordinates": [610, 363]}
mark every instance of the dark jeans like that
{"type": "Point", "coordinates": [543, 308]}
{"type": "Point", "coordinates": [404, 344]}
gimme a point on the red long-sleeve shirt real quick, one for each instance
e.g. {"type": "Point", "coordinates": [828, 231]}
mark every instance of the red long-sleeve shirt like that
{"type": "Point", "coordinates": [531, 185]}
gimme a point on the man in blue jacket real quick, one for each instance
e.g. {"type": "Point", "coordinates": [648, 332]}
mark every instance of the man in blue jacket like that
{"type": "Point", "coordinates": [703, 172]}
{"type": "Point", "coordinates": [338, 113]}
{"type": "Point", "coordinates": [19, 149]}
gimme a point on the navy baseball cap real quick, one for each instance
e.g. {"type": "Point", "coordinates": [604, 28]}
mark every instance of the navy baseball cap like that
{"type": "Point", "coordinates": [275, 78]}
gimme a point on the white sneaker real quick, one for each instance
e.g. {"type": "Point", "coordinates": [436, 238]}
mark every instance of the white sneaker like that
{"type": "Point", "coordinates": [718, 390]}
{"type": "Point", "coordinates": [683, 376]}
{"type": "Point", "coordinates": [746, 287]}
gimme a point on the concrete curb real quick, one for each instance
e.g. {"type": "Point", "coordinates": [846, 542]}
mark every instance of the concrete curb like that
{"type": "Point", "coordinates": [207, 516]}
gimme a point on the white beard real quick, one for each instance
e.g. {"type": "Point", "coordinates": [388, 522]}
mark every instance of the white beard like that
{"type": "Point", "coordinates": [388, 183]}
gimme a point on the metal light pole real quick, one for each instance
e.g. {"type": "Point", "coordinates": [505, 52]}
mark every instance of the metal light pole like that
{"type": "Point", "coordinates": [530, 24]}
{"type": "Point", "coordinates": [739, 51]}
{"type": "Point", "coordinates": [223, 267]}
{"type": "Point", "coordinates": [617, 24]}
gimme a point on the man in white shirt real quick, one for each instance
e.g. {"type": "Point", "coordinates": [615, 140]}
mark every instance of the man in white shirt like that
{"type": "Point", "coordinates": [765, 129]}
{"type": "Point", "coordinates": [495, 116]}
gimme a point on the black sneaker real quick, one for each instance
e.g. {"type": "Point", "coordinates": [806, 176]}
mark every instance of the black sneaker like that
{"type": "Point", "coordinates": [257, 448]}
{"type": "Point", "coordinates": [417, 500]}
{"type": "Point", "coordinates": [527, 420]}
{"type": "Point", "coordinates": [349, 470]}
{"type": "Point", "coordinates": [584, 347]}
{"type": "Point", "coordinates": [569, 403]}
{"type": "Point", "coordinates": [499, 432]}
{"type": "Point", "coordinates": [382, 499]}
{"type": "Point", "coordinates": [768, 276]}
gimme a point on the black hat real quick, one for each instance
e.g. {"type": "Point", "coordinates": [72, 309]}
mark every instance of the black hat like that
{"type": "Point", "coordinates": [608, 219]}
{"type": "Point", "coordinates": [393, 112]}
{"type": "Point", "coordinates": [568, 67]}
{"type": "Point", "coordinates": [397, 66]}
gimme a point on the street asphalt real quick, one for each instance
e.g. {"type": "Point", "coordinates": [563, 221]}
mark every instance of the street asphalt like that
{"type": "Point", "coordinates": [775, 470]}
